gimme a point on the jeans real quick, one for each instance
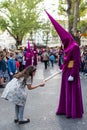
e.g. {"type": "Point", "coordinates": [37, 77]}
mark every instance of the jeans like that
{"type": "Point", "coordinates": [45, 64]}
{"type": "Point", "coordinates": [19, 111]}
{"type": "Point", "coordinates": [52, 62]}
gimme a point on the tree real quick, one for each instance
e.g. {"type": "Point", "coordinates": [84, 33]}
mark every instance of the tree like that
{"type": "Point", "coordinates": [69, 12]}
{"type": "Point", "coordinates": [19, 17]}
{"type": "Point", "coordinates": [76, 16]}
{"type": "Point", "coordinates": [75, 10]}
{"type": "Point", "coordinates": [82, 24]}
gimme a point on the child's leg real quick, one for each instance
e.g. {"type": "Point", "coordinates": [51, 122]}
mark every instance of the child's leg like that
{"type": "Point", "coordinates": [17, 112]}
{"type": "Point", "coordinates": [21, 113]}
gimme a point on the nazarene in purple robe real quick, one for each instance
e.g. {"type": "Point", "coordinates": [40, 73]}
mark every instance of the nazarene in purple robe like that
{"type": "Point", "coordinates": [28, 56]}
{"type": "Point", "coordinates": [35, 56]}
{"type": "Point", "coordinates": [70, 102]}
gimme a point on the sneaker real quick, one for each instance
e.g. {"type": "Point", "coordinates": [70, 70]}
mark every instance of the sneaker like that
{"type": "Point", "coordinates": [24, 121]}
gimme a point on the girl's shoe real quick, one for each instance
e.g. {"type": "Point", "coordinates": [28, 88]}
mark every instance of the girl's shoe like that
{"type": "Point", "coordinates": [15, 120]}
{"type": "Point", "coordinates": [24, 121]}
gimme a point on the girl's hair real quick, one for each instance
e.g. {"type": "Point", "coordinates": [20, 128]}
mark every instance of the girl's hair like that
{"type": "Point", "coordinates": [26, 73]}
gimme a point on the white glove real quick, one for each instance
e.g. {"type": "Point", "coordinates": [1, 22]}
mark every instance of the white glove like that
{"type": "Point", "coordinates": [60, 71]}
{"type": "Point", "coordinates": [70, 78]}
{"type": "Point", "coordinates": [11, 73]}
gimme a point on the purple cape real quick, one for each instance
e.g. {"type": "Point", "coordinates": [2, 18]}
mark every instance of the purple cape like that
{"type": "Point", "coordinates": [28, 58]}
{"type": "Point", "coordinates": [35, 55]}
{"type": "Point", "coordinates": [35, 58]}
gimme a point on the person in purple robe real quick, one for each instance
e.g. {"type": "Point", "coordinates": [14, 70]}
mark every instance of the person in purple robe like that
{"type": "Point", "coordinates": [70, 102]}
{"type": "Point", "coordinates": [35, 54]}
{"type": "Point", "coordinates": [28, 56]}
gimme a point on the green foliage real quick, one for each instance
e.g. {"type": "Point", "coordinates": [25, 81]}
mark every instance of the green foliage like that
{"type": "Point", "coordinates": [82, 12]}
{"type": "Point", "coordinates": [83, 9]}
{"type": "Point", "coordinates": [3, 24]}
{"type": "Point", "coordinates": [82, 26]}
{"type": "Point", "coordinates": [61, 8]}
{"type": "Point", "coordinates": [54, 33]}
{"type": "Point", "coordinates": [19, 16]}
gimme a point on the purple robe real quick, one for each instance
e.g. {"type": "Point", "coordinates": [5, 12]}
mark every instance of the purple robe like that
{"type": "Point", "coordinates": [70, 103]}
{"type": "Point", "coordinates": [35, 57]}
{"type": "Point", "coordinates": [28, 58]}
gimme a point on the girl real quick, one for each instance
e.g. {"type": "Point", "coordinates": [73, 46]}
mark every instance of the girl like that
{"type": "Point", "coordinates": [16, 91]}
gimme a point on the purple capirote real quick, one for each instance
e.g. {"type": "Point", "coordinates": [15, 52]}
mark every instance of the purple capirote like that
{"type": "Point", "coordinates": [35, 53]}
{"type": "Point", "coordinates": [28, 56]}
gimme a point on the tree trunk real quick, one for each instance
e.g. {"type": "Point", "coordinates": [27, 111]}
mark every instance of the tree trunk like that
{"type": "Point", "coordinates": [76, 16]}
{"type": "Point", "coordinates": [18, 39]}
{"type": "Point", "coordinates": [11, 33]}
{"type": "Point", "coordinates": [69, 2]}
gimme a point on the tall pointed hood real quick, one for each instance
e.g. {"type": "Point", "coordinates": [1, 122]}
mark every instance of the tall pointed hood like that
{"type": "Point", "coordinates": [65, 36]}
{"type": "Point", "coordinates": [28, 49]}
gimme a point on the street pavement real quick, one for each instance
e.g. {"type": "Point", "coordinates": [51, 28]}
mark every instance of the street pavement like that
{"type": "Point", "coordinates": [41, 106]}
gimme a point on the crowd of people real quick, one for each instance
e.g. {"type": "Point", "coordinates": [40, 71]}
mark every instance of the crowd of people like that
{"type": "Point", "coordinates": [14, 61]}
{"type": "Point", "coordinates": [83, 60]}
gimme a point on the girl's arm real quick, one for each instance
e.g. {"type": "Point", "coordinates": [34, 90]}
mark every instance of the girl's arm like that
{"type": "Point", "coordinates": [30, 87]}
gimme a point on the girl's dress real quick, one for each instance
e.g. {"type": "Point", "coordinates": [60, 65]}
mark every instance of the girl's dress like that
{"type": "Point", "coordinates": [16, 92]}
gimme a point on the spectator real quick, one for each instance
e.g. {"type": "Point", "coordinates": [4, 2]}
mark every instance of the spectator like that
{"type": "Point", "coordinates": [45, 58]}
{"type": "Point", "coordinates": [52, 59]}
{"type": "Point", "coordinates": [2, 68]}
{"type": "Point", "coordinates": [11, 65]}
